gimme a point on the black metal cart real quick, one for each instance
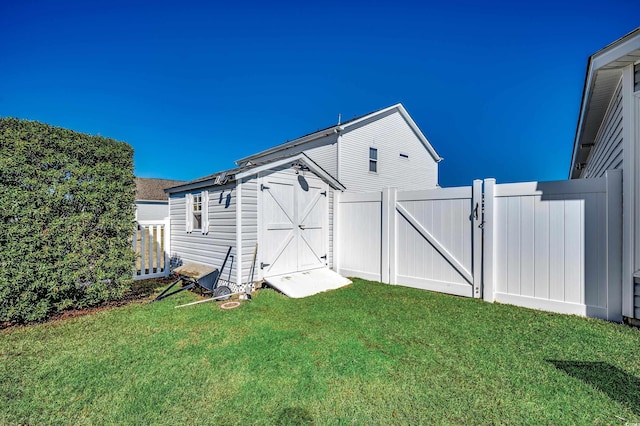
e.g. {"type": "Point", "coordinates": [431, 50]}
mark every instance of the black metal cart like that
{"type": "Point", "coordinates": [191, 275]}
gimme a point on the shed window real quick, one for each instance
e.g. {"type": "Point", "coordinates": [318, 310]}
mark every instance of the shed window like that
{"type": "Point", "coordinates": [373, 160]}
{"type": "Point", "coordinates": [636, 78]}
{"type": "Point", "coordinates": [197, 212]}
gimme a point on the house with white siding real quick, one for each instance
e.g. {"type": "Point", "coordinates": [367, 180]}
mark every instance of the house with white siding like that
{"type": "Point", "coordinates": [151, 201]}
{"type": "Point", "coordinates": [608, 138]}
{"type": "Point", "coordinates": [282, 200]}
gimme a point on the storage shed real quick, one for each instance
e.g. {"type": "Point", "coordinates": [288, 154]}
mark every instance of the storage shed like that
{"type": "Point", "coordinates": [285, 205]}
{"type": "Point", "coordinates": [282, 199]}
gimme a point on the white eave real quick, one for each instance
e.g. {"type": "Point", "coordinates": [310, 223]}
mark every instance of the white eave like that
{"type": "Point", "coordinates": [344, 127]}
{"type": "Point", "coordinates": [604, 70]}
{"type": "Point", "coordinates": [299, 159]}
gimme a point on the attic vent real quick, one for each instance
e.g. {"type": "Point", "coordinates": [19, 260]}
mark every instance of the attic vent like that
{"type": "Point", "coordinates": [636, 78]}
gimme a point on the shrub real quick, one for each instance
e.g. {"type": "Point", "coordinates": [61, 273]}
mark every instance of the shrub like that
{"type": "Point", "coordinates": [66, 215]}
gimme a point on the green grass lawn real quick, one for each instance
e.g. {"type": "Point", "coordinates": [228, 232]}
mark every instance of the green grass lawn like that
{"type": "Point", "coordinates": [366, 354]}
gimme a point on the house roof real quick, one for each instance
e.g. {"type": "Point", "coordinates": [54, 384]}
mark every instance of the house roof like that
{"type": "Point", "coordinates": [153, 189]}
{"type": "Point", "coordinates": [338, 128]}
{"type": "Point", "coordinates": [231, 175]}
{"type": "Point", "coordinates": [604, 70]}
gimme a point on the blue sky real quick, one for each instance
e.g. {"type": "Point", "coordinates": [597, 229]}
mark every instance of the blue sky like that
{"type": "Point", "coordinates": [495, 86]}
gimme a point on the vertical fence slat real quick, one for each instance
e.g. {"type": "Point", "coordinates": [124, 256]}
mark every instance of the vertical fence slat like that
{"type": "Point", "coordinates": [158, 249]}
{"type": "Point", "coordinates": [488, 257]}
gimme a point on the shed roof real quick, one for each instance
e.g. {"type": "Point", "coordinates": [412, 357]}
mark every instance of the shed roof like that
{"type": "Point", "coordinates": [604, 70]}
{"type": "Point", "coordinates": [153, 189]}
{"type": "Point", "coordinates": [344, 127]}
{"type": "Point", "coordinates": [229, 176]}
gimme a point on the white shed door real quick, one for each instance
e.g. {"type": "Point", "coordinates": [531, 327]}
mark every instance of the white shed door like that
{"type": "Point", "coordinates": [294, 222]}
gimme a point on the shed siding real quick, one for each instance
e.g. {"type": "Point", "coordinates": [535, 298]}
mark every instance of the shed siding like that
{"type": "Point", "coordinates": [607, 152]}
{"type": "Point", "coordinates": [635, 129]}
{"type": "Point", "coordinates": [322, 151]}
{"type": "Point", "coordinates": [391, 135]}
{"type": "Point", "coordinates": [249, 225]}
{"type": "Point", "coordinates": [209, 249]}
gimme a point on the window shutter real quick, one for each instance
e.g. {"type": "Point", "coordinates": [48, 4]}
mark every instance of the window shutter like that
{"type": "Point", "coordinates": [205, 212]}
{"type": "Point", "coordinates": [188, 199]}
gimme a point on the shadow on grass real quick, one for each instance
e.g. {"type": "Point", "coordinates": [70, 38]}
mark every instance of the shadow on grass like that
{"type": "Point", "coordinates": [294, 416]}
{"type": "Point", "coordinates": [618, 385]}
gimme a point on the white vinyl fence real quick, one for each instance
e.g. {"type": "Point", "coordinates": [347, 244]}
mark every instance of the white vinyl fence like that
{"type": "Point", "coordinates": [151, 242]}
{"type": "Point", "coordinates": [553, 246]}
{"type": "Point", "coordinates": [556, 246]}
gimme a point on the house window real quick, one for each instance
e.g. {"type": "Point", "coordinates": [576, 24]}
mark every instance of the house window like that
{"type": "Point", "coordinates": [373, 160]}
{"type": "Point", "coordinates": [636, 78]}
{"type": "Point", "coordinates": [197, 211]}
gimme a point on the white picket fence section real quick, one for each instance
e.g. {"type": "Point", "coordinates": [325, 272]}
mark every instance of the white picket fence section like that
{"type": "Point", "coordinates": [553, 246]}
{"type": "Point", "coordinates": [151, 242]}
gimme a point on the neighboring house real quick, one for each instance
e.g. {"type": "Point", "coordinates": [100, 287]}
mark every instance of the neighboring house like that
{"type": "Point", "coordinates": [608, 138]}
{"type": "Point", "coordinates": [151, 201]}
{"type": "Point", "coordinates": [368, 153]}
{"type": "Point", "coordinates": [281, 200]}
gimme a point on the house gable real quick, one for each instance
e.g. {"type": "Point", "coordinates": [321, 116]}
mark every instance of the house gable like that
{"type": "Point", "coordinates": [402, 158]}
{"type": "Point", "coordinates": [342, 150]}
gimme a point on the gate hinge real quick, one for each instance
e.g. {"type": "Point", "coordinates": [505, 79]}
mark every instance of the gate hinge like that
{"type": "Point", "coordinates": [262, 265]}
{"type": "Point", "coordinates": [263, 187]}
{"type": "Point", "coordinates": [324, 193]}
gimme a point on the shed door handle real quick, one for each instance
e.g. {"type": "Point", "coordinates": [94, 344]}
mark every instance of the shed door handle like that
{"type": "Point", "coordinates": [301, 226]}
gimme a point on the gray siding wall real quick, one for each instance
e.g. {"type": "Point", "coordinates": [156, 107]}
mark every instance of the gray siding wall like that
{"type": "Point", "coordinates": [322, 151]}
{"type": "Point", "coordinates": [391, 135]}
{"type": "Point", "coordinates": [152, 210]}
{"type": "Point", "coordinates": [607, 153]}
{"type": "Point", "coordinates": [209, 249]}
{"type": "Point", "coordinates": [249, 207]}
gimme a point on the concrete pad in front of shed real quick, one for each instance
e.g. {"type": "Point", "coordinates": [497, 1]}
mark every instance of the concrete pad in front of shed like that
{"type": "Point", "coordinates": [307, 283]}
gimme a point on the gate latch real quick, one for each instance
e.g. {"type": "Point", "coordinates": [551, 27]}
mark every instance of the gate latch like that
{"type": "Point", "coordinates": [262, 265]}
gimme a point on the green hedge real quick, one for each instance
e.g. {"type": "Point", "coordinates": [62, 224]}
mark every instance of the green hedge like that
{"type": "Point", "coordinates": [66, 215]}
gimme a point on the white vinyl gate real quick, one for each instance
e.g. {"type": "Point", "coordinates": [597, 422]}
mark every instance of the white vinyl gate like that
{"type": "Point", "coordinates": [435, 234]}
{"type": "Point", "coordinates": [421, 239]}
{"type": "Point", "coordinates": [553, 246]}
